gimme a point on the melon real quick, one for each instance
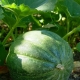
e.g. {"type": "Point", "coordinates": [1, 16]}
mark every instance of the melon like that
{"type": "Point", "coordinates": [40, 55]}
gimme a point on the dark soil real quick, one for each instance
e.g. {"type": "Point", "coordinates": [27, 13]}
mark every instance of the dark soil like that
{"type": "Point", "coordinates": [5, 76]}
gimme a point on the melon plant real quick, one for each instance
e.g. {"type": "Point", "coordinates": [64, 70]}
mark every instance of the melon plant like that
{"type": "Point", "coordinates": [40, 55]}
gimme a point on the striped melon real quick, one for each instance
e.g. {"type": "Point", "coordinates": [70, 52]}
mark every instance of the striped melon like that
{"type": "Point", "coordinates": [40, 55]}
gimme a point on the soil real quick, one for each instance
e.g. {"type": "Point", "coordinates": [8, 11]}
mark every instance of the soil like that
{"type": "Point", "coordinates": [5, 76]}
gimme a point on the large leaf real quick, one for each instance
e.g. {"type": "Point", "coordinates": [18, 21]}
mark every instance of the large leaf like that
{"type": "Point", "coordinates": [48, 6]}
{"type": "Point", "coordinates": [30, 3]}
{"type": "Point", "coordinates": [78, 1]}
{"type": "Point", "coordinates": [1, 13]}
{"type": "Point", "coordinates": [21, 10]}
{"type": "Point", "coordinates": [72, 7]}
{"type": "Point", "coordinates": [12, 12]}
{"type": "Point", "coordinates": [3, 2]}
{"type": "Point", "coordinates": [43, 5]}
{"type": "Point", "coordinates": [78, 46]}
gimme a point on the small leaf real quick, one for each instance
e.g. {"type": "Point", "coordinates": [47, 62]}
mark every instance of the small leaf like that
{"type": "Point", "coordinates": [3, 54]}
{"type": "Point", "coordinates": [78, 46]}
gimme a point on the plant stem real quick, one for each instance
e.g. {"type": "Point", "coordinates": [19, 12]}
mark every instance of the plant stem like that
{"type": "Point", "coordinates": [71, 32]}
{"type": "Point", "coordinates": [35, 20]}
{"type": "Point", "coordinates": [13, 36]}
{"type": "Point", "coordinates": [10, 32]}
{"type": "Point", "coordinates": [68, 25]}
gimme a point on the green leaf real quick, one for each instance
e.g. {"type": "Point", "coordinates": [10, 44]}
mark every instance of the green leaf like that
{"type": "Point", "coordinates": [21, 10]}
{"type": "Point", "coordinates": [78, 46]}
{"type": "Point", "coordinates": [24, 22]}
{"type": "Point", "coordinates": [13, 12]}
{"type": "Point", "coordinates": [70, 6]}
{"type": "Point", "coordinates": [3, 2]}
{"type": "Point", "coordinates": [1, 14]}
{"type": "Point", "coordinates": [9, 19]}
{"type": "Point", "coordinates": [43, 5]}
{"type": "Point", "coordinates": [78, 28]}
{"type": "Point", "coordinates": [78, 1]}
{"type": "Point", "coordinates": [61, 31]}
{"type": "Point", "coordinates": [48, 6]}
{"type": "Point", "coordinates": [3, 54]}
{"type": "Point", "coordinates": [30, 3]}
